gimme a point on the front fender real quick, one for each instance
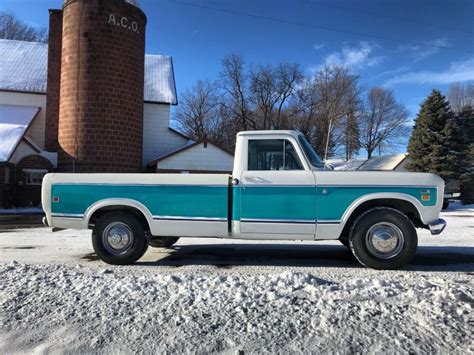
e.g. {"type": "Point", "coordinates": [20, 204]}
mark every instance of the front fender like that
{"type": "Point", "coordinates": [386, 195]}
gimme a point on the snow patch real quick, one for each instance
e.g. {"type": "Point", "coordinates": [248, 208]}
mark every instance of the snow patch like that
{"type": "Point", "coordinates": [59, 308]}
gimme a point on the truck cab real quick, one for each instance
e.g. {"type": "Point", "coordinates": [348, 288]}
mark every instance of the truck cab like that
{"type": "Point", "coordinates": [281, 188]}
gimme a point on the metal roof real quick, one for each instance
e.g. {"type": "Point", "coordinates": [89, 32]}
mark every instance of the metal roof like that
{"type": "Point", "coordinates": [339, 164]}
{"type": "Point", "coordinates": [159, 79]}
{"type": "Point", "coordinates": [24, 67]}
{"type": "Point", "coordinates": [190, 144]}
{"type": "Point", "coordinates": [14, 121]}
{"type": "Point", "coordinates": [385, 162]}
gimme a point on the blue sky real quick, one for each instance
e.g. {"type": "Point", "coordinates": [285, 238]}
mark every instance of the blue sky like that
{"type": "Point", "coordinates": [410, 46]}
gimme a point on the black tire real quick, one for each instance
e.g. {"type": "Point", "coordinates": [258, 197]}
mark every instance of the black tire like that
{"type": "Point", "coordinates": [345, 242]}
{"type": "Point", "coordinates": [445, 204]}
{"type": "Point", "coordinates": [163, 242]}
{"type": "Point", "coordinates": [135, 247]}
{"type": "Point", "coordinates": [394, 228]}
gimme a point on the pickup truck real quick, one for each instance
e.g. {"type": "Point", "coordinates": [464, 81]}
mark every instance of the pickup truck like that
{"type": "Point", "coordinates": [279, 190]}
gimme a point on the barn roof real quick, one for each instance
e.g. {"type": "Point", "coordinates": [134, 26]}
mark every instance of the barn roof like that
{"type": "Point", "coordinates": [14, 122]}
{"type": "Point", "coordinates": [24, 67]}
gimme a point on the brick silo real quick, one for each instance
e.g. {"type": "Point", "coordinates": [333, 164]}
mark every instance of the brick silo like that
{"type": "Point", "coordinates": [100, 125]}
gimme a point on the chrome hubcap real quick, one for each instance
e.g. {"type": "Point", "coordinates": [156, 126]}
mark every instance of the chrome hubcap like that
{"type": "Point", "coordinates": [117, 238]}
{"type": "Point", "coordinates": [384, 240]}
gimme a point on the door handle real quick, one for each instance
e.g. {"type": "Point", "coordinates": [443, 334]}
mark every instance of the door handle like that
{"type": "Point", "coordinates": [253, 178]}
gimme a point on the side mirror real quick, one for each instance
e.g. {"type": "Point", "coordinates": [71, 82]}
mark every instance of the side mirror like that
{"type": "Point", "coordinates": [328, 166]}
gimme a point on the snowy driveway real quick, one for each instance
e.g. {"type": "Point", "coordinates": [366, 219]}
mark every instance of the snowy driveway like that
{"type": "Point", "coordinates": [225, 296]}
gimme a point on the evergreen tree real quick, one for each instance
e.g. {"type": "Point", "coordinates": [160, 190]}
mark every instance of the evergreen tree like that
{"type": "Point", "coordinates": [436, 143]}
{"type": "Point", "coordinates": [466, 124]}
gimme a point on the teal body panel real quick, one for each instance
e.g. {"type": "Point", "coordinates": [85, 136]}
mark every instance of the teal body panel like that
{"type": "Point", "coordinates": [333, 201]}
{"type": "Point", "coordinates": [236, 203]}
{"type": "Point", "coordinates": [305, 203]}
{"type": "Point", "coordinates": [161, 200]}
{"type": "Point", "coordinates": [278, 202]}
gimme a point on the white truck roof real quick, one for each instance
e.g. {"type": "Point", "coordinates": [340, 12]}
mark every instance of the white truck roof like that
{"type": "Point", "coordinates": [293, 133]}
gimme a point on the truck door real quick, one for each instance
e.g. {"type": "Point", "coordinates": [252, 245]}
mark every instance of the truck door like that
{"type": "Point", "coordinates": [277, 195]}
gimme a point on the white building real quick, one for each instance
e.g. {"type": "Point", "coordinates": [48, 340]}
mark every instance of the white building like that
{"type": "Point", "coordinates": [23, 159]}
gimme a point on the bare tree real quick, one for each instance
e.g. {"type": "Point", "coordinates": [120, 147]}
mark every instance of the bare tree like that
{"type": "Point", "coordinates": [271, 88]}
{"type": "Point", "coordinates": [236, 97]}
{"type": "Point", "coordinates": [198, 112]}
{"type": "Point", "coordinates": [351, 135]}
{"type": "Point", "coordinates": [384, 122]}
{"type": "Point", "coordinates": [324, 101]}
{"type": "Point", "coordinates": [460, 95]}
{"type": "Point", "coordinates": [13, 28]}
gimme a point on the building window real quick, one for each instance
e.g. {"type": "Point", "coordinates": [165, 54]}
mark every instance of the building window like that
{"type": "Point", "coordinates": [6, 175]}
{"type": "Point", "coordinates": [34, 176]}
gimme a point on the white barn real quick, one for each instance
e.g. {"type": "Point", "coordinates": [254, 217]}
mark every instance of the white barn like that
{"type": "Point", "coordinates": [23, 159]}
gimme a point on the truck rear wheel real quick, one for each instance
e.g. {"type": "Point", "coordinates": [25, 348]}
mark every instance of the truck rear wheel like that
{"type": "Point", "coordinates": [119, 238]}
{"type": "Point", "coordinates": [163, 242]}
{"type": "Point", "coordinates": [383, 238]}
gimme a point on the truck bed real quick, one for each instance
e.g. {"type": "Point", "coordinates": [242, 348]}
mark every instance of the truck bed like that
{"type": "Point", "coordinates": [164, 199]}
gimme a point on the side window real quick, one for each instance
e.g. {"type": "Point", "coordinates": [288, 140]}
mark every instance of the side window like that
{"type": "Point", "coordinates": [273, 154]}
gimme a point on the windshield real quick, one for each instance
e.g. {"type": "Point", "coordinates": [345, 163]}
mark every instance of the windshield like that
{"type": "Point", "coordinates": [311, 155]}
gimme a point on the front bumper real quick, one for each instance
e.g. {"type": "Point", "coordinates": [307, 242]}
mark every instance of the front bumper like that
{"type": "Point", "coordinates": [437, 227]}
{"type": "Point", "coordinates": [449, 195]}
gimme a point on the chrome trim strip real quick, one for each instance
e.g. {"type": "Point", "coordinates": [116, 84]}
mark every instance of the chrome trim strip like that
{"type": "Point", "coordinates": [67, 215]}
{"type": "Point", "coordinates": [376, 186]}
{"type": "Point", "coordinates": [194, 219]}
{"type": "Point", "coordinates": [134, 184]}
{"type": "Point", "coordinates": [329, 221]}
{"type": "Point", "coordinates": [275, 185]}
{"type": "Point", "coordinates": [294, 221]}
{"type": "Point", "coordinates": [263, 220]}
{"type": "Point", "coordinates": [335, 185]}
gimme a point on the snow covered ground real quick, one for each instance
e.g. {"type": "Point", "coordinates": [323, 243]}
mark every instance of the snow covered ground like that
{"type": "Point", "coordinates": [229, 296]}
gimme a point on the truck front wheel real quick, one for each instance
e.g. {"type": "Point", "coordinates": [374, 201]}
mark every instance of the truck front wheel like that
{"type": "Point", "coordinates": [119, 238]}
{"type": "Point", "coordinates": [383, 238]}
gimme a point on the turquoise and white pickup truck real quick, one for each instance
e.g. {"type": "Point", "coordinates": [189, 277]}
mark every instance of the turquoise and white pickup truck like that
{"type": "Point", "coordinates": [279, 190]}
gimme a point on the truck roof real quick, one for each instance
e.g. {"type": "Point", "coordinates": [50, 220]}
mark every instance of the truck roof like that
{"type": "Point", "coordinates": [293, 133]}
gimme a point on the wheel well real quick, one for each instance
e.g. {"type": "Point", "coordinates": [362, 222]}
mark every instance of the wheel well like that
{"type": "Point", "coordinates": [403, 206]}
{"type": "Point", "coordinates": [119, 208]}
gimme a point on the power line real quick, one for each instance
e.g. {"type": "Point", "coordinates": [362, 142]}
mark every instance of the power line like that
{"type": "Point", "coordinates": [397, 18]}
{"type": "Point", "coordinates": [324, 28]}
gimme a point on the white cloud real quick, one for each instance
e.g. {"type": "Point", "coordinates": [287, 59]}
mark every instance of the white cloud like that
{"type": "Point", "coordinates": [354, 57]}
{"type": "Point", "coordinates": [387, 73]}
{"type": "Point", "coordinates": [457, 72]}
{"type": "Point", "coordinates": [420, 52]}
{"type": "Point", "coordinates": [318, 46]}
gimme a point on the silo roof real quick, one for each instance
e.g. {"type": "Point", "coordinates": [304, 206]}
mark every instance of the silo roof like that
{"type": "Point", "coordinates": [24, 67]}
{"type": "Point", "coordinates": [159, 79]}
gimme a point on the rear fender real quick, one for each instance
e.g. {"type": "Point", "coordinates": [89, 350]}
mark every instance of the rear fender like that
{"type": "Point", "coordinates": [109, 202]}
